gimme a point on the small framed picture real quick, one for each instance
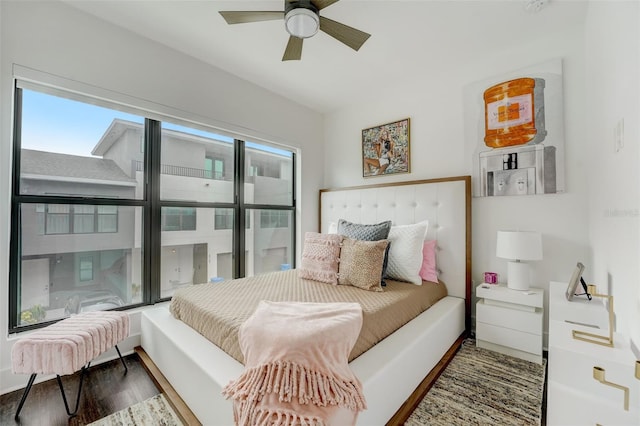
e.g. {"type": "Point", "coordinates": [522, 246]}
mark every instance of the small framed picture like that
{"type": "Point", "coordinates": [574, 281]}
{"type": "Point", "coordinates": [385, 149]}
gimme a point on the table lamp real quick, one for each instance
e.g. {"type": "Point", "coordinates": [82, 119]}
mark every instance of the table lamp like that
{"type": "Point", "coordinates": [518, 246]}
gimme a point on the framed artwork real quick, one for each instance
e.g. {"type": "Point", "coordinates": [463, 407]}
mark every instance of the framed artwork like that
{"type": "Point", "coordinates": [385, 149]}
{"type": "Point", "coordinates": [514, 132]}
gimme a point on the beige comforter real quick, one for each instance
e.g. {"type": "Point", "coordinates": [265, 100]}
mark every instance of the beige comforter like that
{"type": "Point", "coordinates": [218, 310]}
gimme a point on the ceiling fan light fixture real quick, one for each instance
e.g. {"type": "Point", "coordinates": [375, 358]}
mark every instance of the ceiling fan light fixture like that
{"type": "Point", "coordinates": [301, 22]}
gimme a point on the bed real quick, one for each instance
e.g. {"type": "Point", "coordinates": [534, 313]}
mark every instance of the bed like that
{"type": "Point", "coordinates": [392, 371]}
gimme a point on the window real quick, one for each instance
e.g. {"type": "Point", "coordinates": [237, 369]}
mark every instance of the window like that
{"type": "Point", "coordinates": [58, 219]}
{"type": "Point", "coordinates": [208, 167]}
{"type": "Point", "coordinates": [86, 268]}
{"type": "Point", "coordinates": [224, 219]}
{"type": "Point", "coordinates": [75, 219]}
{"type": "Point", "coordinates": [83, 219]}
{"type": "Point", "coordinates": [268, 175]}
{"type": "Point", "coordinates": [214, 168]}
{"type": "Point", "coordinates": [106, 219]}
{"type": "Point", "coordinates": [178, 219]}
{"type": "Point", "coordinates": [272, 248]}
{"type": "Point", "coordinates": [274, 219]}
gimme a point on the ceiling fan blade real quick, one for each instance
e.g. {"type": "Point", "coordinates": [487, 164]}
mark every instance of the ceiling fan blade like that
{"type": "Point", "coordinates": [293, 52]}
{"type": "Point", "coordinates": [321, 4]}
{"type": "Point", "coordinates": [246, 16]}
{"type": "Point", "coordinates": [344, 33]}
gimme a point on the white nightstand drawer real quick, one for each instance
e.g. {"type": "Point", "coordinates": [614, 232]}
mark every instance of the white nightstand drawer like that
{"type": "Point", "coordinates": [528, 322]}
{"type": "Point", "coordinates": [534, 297]}
{"type": "Point", "coordinates": [526, 342]}
{"type": "Point", "coordinates": [571, 406]}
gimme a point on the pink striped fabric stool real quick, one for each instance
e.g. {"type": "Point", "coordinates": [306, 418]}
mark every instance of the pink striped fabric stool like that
{"type": "Point", "coordinates": [68, 346]}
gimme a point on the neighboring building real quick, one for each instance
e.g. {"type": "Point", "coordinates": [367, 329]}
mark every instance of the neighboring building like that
{"type": "Point", "coordinates": [77, 247]}
{"type": "Point", "coordinates": [94, 252]}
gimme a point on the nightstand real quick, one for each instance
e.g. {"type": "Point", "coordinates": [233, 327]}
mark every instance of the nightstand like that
{"type": "Point", "coordinates": [574, 395]}
{"type": "Point", "coordinates": [510, 321]}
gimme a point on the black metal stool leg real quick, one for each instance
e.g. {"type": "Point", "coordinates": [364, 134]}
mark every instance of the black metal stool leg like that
{"type": "Point", "coordinates": [64, 397]}
{"type": "Point", "coordinates": [24, 395]}
{"type": "Point", "coordinates": [126, 370]}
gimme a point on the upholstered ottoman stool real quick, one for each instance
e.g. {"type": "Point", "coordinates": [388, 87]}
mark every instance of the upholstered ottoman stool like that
{"type": "Point", "coordinates": [68, 346]}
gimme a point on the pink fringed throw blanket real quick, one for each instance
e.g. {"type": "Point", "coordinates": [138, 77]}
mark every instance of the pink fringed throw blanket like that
{"type": "Point", "coordinates": [296, 366]}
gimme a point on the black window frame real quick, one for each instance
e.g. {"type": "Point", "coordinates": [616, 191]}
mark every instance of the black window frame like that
{"type": "Point", "coordinates": [151, 205]}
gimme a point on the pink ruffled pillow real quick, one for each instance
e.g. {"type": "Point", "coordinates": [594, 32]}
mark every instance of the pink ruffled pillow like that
{"type": "Point", "coordinates": [428, 270]}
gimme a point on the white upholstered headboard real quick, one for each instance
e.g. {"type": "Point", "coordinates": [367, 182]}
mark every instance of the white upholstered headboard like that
{"type": "Point", "coordinates": [445, 203]}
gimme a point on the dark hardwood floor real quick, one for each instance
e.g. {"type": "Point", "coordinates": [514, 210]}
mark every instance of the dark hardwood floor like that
{"type": "Point", "coordinates": [106, 389]}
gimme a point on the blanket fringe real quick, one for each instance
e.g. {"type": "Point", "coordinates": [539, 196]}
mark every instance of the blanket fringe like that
{"type": "Point", "coordinates": [289, 380]}
{"type": "Point", "coordinates": [246, 413]}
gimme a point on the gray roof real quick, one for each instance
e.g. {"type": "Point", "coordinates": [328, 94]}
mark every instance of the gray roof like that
{"type": "Point", "coordinates": [73, 166]}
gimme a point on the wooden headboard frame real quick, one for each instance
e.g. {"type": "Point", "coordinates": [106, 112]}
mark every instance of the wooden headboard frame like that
{"type": "Point", "coordinates": [444, 202]}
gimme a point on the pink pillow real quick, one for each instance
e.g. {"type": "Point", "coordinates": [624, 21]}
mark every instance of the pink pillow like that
{"type": "Point", "coordinates": [428, 269]}
{"type": "Point", "coordinates": [320, 257]}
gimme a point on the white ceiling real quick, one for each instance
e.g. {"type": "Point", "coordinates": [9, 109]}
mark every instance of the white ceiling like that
{"type": "Point", "coordinates": [409, 38]}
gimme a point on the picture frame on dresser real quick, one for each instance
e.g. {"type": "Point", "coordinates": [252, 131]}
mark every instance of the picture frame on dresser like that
{"type": "Point", "coordinates": [576, 277]}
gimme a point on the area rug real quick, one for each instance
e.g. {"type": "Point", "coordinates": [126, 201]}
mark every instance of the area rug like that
{"type": "Point", "coordinates": [482, 387]}
{"type": "Point", "coordinates": [155, 411]}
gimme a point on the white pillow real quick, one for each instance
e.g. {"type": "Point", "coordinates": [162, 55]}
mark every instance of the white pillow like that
{"type": "Point", "coordinates": [333, 228]}
{"type": "Point", "coordinates": [405, 252]}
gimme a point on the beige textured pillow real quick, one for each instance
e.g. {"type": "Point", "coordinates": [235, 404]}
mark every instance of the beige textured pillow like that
{"type": "Point", "coordinates": [320, 257]}
{"type": "Point", "coordinates": [361, 263]}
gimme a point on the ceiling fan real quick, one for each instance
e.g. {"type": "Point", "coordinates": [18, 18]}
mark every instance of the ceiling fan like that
{"type": "Point", "coordinates": [302, 20]}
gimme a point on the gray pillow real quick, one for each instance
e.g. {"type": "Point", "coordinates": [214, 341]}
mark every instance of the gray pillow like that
{"type": "Point", "coordinates": [358, 231]}
{"type": "Point", "coordinates": [375, 232]}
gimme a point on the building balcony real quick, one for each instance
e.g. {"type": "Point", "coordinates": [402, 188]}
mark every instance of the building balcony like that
{"type": "Point", "coordinates": [170, 169]}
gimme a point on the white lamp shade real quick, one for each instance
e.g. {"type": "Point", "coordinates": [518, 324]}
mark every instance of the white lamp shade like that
{"type": "Point", "coordinates": [519, 245]}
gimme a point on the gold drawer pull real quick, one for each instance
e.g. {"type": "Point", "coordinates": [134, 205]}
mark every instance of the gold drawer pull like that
{"type": "Point", "coordinates": [598, 374]}
{"type": "Point", "coordinates": [638, 369]}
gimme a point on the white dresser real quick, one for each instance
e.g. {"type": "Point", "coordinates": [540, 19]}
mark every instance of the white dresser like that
{"type": "Point", "coordinates": [574, 396]}
{"type": "Point", "coordinates": [510, 321]}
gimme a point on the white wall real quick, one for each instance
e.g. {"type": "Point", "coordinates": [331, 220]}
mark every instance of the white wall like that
{"type": "Point", "coordinates": [435, 107]}
{"type": "Point", "coordinates": [86, 53]}
{"type": "Point", "coordinates": [613, 95]}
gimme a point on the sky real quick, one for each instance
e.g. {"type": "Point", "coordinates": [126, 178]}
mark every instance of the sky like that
{"type": "Point", "coordinates": [56, 124]}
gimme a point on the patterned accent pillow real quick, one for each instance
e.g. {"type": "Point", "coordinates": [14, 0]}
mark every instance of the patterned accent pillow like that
{"type": "Point", "coordinates": [358, 231]}
{"type": "Point", "coordinates": [320, 257]}
{"type": "Point", "coordinates": [361, 263]}
{"type": "Point", "coordinates": [405, 254]}
{"type": "Point", "coordinates": [375, 232]}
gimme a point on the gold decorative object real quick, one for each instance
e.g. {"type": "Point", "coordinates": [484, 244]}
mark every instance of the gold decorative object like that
{"type": "Point", "coordinates": [598, 374]}
{"type": "Point", "coordinates": [595, 338]}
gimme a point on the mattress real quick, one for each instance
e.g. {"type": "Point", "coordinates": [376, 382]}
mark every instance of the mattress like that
{"type": "Point", "coordinates": [217, 310]}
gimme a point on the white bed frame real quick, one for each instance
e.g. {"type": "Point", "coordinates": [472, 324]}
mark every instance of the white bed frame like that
{"type": "Point", "coordinates": [392, 370]}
